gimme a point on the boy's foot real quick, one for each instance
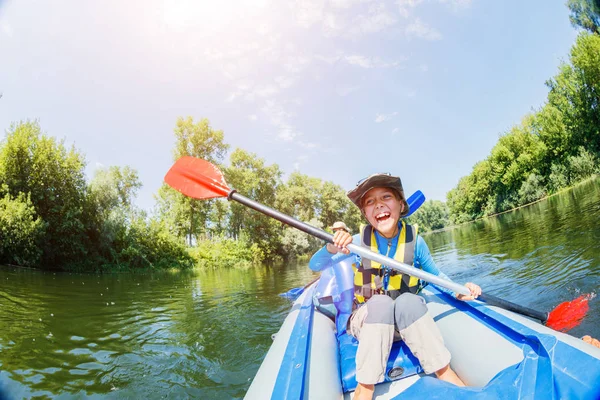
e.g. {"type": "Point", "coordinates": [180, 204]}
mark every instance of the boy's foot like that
{"type": "Point", "coordinates": [591, 340]}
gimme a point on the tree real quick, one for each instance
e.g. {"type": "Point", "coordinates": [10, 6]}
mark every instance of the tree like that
{"type": "Point", "coordinates": [182, 215]}
{"type": "Point", "coordinates": [585, 14]}
{"type": "Point", "coordinates": [335, 206]}
{"type": "Point", "coordinates": [53, 177]}
{"type": "Point", "coordinates": [432, 215]}
{"type": "Point", "coordinates": [249, 174]}
{"type": "Point", "coordinates": [21, 230]}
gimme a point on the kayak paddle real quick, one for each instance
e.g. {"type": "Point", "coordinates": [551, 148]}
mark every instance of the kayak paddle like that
{"type": "Point", "coordinates": [200, 179]}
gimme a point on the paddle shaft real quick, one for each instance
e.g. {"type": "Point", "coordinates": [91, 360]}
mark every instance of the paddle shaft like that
{"type": "Point", "coordinates": [361, 251]}
{"type": "Point", "coordinates": [507, 305]}
{"type": "Point", "coordinates": [396, 265]}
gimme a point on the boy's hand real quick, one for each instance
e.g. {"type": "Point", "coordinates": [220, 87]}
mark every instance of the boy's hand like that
{"type": "Point", "coordinates": [341, 239]}
{"type": "Point", "coordinates": [475, 291]}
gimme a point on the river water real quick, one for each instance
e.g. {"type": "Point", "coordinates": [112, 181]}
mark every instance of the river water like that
{"type": "Point", "coordinates": [204, 334]}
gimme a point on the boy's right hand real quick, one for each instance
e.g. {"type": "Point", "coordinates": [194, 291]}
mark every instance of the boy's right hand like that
{"type": "Point", "coordinates": [341, 239]}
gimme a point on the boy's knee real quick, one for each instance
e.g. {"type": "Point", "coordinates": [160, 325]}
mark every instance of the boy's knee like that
{"type": "Point", "coordinates": [408, 308]}
{"type": "Point", "coordinates": [380, 310]}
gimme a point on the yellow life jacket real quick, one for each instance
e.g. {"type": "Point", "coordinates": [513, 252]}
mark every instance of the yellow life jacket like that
{"type": "Point", "coordinates": [368, 277]}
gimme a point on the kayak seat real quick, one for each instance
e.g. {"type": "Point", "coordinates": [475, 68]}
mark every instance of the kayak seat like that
{"type": "Point", "coordinates": [401, 363]}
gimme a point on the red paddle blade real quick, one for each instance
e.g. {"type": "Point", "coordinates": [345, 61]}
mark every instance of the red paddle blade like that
{"type": "Point", "coordinates": [197, 178]}
{"type": "Point", "coordinates": [569, 314]}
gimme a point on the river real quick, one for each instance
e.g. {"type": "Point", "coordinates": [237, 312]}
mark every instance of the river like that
{"type": "Point", "coordinates": [204, 334]}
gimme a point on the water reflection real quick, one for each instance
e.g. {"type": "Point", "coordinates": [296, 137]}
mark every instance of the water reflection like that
{"type": "Point", "coordinates": [537, 256]}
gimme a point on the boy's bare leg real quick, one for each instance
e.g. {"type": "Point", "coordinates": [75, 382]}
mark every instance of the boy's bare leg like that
{"type": "Point", "coordinates": [448, 375]}
{"type": "Point", "coordinates": [364, 392]}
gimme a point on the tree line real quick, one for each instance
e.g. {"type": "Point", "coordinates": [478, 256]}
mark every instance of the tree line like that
{"type": "Point", "coordinates": [51, 217]}
{"type": "Point", "coordinates": [552, 148]}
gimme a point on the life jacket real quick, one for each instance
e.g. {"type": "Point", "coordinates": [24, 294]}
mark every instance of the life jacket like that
{"type": "Point", "coordinates": [369, 276]}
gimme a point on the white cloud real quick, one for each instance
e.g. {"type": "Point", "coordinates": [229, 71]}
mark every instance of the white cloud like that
{"type": "Point", "coordinates": [421, 30]}
{"type": "Point", "coordinates": [346, 90]}
{"type": "Point", "coordinates": [6, 29]}
{"type": "Point", "coordinates": [457, 4]}
{"type": "Point", "coordinates": [252, 117]}
{"type": "Point", "coordinates": [309, 145]}
{"type": "Point", "coordinates": [395, 131]}
{"type": "Point", "coordinates": [361, 61]}
{"type": "Point", "coordinates": [309, 12]}
{"type": "Point", "coordinates": [385, 117]}
{"type": "Point", "coordinates": [405, 6]}
{"type": "Point", "coordinates": [279, 118]}
{"type": "Point", "coordinates": [424, 67]}
{"type": "Point", "coordinates": [377, 19]}
{"type": "Point", "coordinates": [369, 62]}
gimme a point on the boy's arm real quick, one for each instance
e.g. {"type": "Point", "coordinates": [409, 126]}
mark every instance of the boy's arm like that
{"type": "Point", "coordinates": [423, 258]}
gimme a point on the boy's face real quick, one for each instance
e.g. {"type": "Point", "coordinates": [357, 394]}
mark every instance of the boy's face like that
{"type": "Point", "coordinates": [382, 209]}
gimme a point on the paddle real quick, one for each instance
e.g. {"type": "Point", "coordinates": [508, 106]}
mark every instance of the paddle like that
{"type": "Point", "coordinates": [414, 201]}
{"type": "Point", "coordinates": [200, 179]}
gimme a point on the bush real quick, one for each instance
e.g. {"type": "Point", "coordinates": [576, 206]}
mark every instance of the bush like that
{"type": "Point", "coordinates": [221, 252]}
{"type": "Point", "coordinates": [21, 230]}
{"type": "Point", "coordinates": [532, 189]}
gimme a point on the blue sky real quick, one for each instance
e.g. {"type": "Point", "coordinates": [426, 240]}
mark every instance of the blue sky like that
{"type": "Point", "coordinates": [337, 89]}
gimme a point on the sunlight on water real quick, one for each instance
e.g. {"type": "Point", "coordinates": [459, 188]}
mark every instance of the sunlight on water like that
{"type": "Point", "coordinates": [538, 256]}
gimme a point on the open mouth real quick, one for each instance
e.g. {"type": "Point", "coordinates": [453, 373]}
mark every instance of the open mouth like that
{"type": "Point", "coordinates": [384, 216]}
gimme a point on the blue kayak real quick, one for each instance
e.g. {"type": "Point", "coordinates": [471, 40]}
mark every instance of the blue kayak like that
{"type": "Point", "coordinates": [497, 353]}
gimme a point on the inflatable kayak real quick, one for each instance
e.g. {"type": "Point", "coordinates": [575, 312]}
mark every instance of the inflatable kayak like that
{"type": "Point", "coordinates": [499, 354]}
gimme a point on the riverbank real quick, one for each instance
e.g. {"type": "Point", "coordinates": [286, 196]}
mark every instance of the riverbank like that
{"type": "Point", "coordinates": [561, 191]}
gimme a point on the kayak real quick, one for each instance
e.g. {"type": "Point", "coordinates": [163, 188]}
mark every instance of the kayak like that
{"type": "Point", "coordinates": [497, 353]}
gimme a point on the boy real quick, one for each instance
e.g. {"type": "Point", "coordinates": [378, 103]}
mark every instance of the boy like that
{"type": "Point", "coordinates": [387, 301]}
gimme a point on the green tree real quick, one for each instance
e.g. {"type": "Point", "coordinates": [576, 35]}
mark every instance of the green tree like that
{"type": "Point", "coordinates": [551, 149]}
{"type": "Point", "coordinates": [185, 216]}
{"type": "Point", "coordinates": [53, 177]}
{"type": "Point", "coordinates": [432, 215]}
{"type": "Point", "coordinates": [21, 230]}
{"type": "Point", "coordinates": [334, 206]}
{"type": "Point", "coordinates": [299, 196]}
{"type": "Point", "coordinates": [251, 177]}
{"type": "Point", "coordinates": [585, 14]}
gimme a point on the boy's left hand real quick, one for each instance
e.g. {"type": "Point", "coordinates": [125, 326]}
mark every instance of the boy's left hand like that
{"type": "Point", "coordinates": [475, 291]}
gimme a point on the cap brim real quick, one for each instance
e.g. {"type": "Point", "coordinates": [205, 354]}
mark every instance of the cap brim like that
{"type": "Point", "coordinates": [375, 181]}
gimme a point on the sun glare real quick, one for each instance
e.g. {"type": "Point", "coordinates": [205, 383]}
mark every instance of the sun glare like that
{"type": "Point", "coordinates": [209, 15]}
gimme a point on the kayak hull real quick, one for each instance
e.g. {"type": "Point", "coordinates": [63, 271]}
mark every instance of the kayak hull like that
{"type": "Point", "coordinates": [497, 353]}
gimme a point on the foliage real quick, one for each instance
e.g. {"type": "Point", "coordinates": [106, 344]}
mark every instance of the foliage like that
{"type": "Point", "coordinates": [249, 175]}
{"type": "Point", "coordinates": [555, 147]}
{"type": "Point", "coordinates": [222, 252]}
{"type": "Point", "coordinates": [20, 230]}
{"type": "Point", "coordinates": [50, 217]}
{"type": "Point", "coordinates": [147, 244]}
{"type": "Point", "coordinates": [432, 215]}
{"type": "Point", "coordinates": [532, 189]}
{"type": "Point", "coordinates": [52, 176]}
{"type": "Point", "coordinates": [182, 214]}
{"type": "Point", "coordinates": [296, 243]}
{"type": "Point", "coordinates": [585, 14]}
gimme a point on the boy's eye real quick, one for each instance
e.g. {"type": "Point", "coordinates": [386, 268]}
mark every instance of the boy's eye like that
{"type": "Point", "coordinates": [368, 202]}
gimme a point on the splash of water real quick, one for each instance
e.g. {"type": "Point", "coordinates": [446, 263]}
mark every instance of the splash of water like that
{"type": "Point", "coordinates": [569, 314]}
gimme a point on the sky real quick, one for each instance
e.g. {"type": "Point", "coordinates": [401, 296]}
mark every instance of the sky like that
{"type": "Point", "coordinates": [335, 89]}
